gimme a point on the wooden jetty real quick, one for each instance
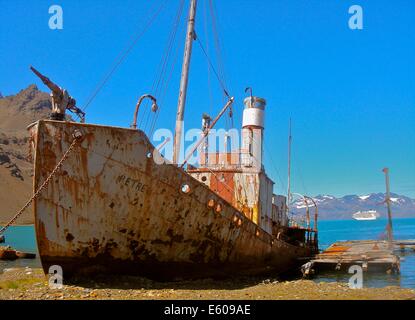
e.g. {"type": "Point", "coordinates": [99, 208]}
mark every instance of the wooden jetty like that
{"type": "Point", "coordinates": [371, 255]}
{"type": "Point", "coordinates": [404, 245]}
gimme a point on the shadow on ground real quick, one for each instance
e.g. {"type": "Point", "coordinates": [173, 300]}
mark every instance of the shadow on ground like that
{"type": "Point", "coordinates": [132, 282]}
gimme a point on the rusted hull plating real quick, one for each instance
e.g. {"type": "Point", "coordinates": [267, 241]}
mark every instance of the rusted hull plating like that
{"type": "Point", "coordinates": [112, 209]}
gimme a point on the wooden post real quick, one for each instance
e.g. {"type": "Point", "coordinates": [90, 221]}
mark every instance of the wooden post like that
{"type": "Point", "coordinates": [289, 170]}
{"type": "Point", "coordinates": [388, 202]}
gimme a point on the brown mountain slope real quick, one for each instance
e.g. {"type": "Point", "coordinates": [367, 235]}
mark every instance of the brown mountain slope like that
{"type": "Point", "coordinates": [16, 113]}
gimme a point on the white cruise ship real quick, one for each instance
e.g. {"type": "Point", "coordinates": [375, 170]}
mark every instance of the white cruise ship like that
{"type": "Point", "coordinates": [366, 215]}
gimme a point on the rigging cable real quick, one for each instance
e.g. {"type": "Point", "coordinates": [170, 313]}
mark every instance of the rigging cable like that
{"type": "Point", "coordinates": [221, 81]}
{"type": "Point", "coordinates": [222, 84]}
{"type": "Point", "coordinates": [271, 159]}
{"type": "Point", "coordinates": [123, 55]}
{"type": "Point", "coordinates": [217, 42]}
{"type": "Point", "coordinates": [165, 82]}
{"type": "Point", "coordinates": [159, 82]}
{"type": "Point", "coordinates": [219, 55]}
{"type": "Point", "coordinates": [207, 63]}
{"type": "Point", "coordinates": [165, 91]}
{"type": "Point", "coordinates": [274, 166]}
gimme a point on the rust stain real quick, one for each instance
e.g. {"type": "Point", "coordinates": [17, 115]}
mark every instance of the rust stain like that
{"type": "Point", "coordinates": [335, 250]}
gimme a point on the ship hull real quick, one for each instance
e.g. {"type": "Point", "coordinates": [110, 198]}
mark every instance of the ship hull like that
{"type": "Point", "coordinates": [365, 219]}
{"type": "Point", "coordinates": [112, 209]}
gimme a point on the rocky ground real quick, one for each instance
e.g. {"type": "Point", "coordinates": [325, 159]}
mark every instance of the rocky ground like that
{"type": "Point", "coordinates": [32, 284]}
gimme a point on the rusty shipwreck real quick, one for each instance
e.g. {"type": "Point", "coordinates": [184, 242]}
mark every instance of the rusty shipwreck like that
{"type": "Point", "coordinates": [110, 207]}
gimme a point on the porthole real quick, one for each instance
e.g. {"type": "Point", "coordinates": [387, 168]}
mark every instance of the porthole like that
{"type": "Point", "coordinates": [204, 178]}
{"type": "Point", "coordinates": [211, 203]}
{"type": "Point", "coordinates": [149, 155]}
{"type": "Point", "coordinates": [218, 208]}
{"type": "Point", "coordinates": [239, 222]}
{"type": "Point", "coordinates": [185, 188]}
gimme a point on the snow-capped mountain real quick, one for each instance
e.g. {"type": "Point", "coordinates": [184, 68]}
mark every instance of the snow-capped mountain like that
{"type": "Point", "coordinates": [332, 208]}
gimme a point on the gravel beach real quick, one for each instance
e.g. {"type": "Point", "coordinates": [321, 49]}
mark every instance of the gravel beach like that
{"type": "Point", "coordinates": [31, 284]}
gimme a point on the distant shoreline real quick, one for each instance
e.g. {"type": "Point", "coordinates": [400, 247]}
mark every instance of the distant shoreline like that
{"type": "Point", "coordinates": [378, 219]}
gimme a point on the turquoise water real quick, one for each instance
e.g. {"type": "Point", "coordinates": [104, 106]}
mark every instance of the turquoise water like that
{"type": "Point", "coordinates": [23, 238]}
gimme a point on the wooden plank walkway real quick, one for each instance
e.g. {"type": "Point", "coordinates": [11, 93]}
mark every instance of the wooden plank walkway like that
{"type": "Point", "coordinates": [371, 255]}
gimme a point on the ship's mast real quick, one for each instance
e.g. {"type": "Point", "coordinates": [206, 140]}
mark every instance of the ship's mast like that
{"type": "Point", "coordinates": [289, 168]}
{"type": "Point", "coordinates": [190, 36]}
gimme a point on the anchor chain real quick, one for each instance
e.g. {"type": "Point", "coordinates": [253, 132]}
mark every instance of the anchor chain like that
{"type": "Point", "coordinates": [77, 135]}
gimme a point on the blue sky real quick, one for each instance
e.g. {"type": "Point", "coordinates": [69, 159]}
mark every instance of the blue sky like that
{"type": "Point", "coordinates": [350, 93]}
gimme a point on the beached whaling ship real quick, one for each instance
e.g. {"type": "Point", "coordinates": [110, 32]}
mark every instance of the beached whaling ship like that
{"type": "Point", "coordinates": [105, 203]}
